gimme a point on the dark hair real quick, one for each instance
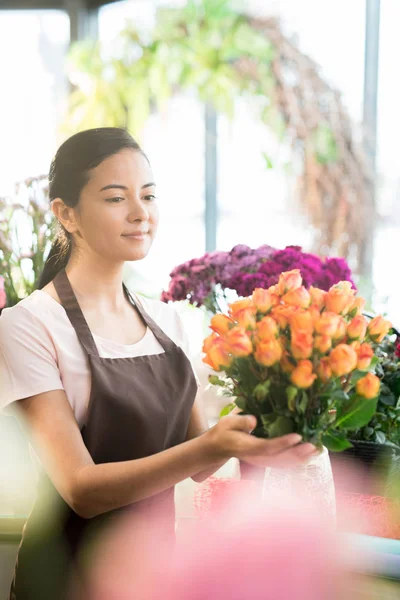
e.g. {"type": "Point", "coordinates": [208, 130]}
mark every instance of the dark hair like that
{"type": "Point", "coordinates": [69, 173]}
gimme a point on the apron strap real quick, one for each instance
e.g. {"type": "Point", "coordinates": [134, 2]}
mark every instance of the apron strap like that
{"type": "Point", "coordinates": [74, 313]}
{"type": "Point", "coordinates": [164, 340]}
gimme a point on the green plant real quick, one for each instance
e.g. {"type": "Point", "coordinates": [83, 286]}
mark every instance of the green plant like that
{"type": "Point", "coordinates": [26, 230]}
{"type": "Point", "coordinates": [195, 48]}
{"type": "Point", "coordinates": [384, 427]}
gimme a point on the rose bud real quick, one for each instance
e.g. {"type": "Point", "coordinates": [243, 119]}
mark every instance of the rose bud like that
{"type": "Point", "coordinates": [378, 328]}
{"type": "Point", "coordinates": [327, 324]}
{"type": "Point", "coordinates": [268, 353]}
{"type": "Point", "coordinates": [262, 300]}
{"type": "Point", "coordinates": [323, 343]}
{"type": "Point", "coordinates": [340, 298]}
{"type": "Point", "coordinates": [298, 297]}
{"type": "Point", "coordinates": [368, 386]}
{"type": "Point", "coordinates": [365, 354]}
{"type": "Point", "coordinates": [324, 369]}
{"type": "Point", "coordinates": [267, 329]}
{"type": "Point", "coordinates": [302, 376]}
{"type": "Point", "coordinates": [221, 324]}
{"type": "Point", "coordinates": [301, 344]}
{"type": "Point", "coordinates": [289, 280]}
{"type": "Point", "coordinates": [357, 328]}
{"type": "Point", "coordinates": [238, 342]}
{"type": "Point", "coordinates": [343, 360]}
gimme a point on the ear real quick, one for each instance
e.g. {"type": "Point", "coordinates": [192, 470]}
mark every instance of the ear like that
{"type": "Point", "coordinates": [65, 215]}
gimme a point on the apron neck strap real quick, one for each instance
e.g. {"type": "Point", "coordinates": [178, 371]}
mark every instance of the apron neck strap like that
{"type": "Point", "coordinates": [163, 339]}
{"type": "Point", "coordinates": [74, 313]}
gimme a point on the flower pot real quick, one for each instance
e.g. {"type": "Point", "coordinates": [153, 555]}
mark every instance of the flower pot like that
{"type": "Point", "coordinates": [374, 464]}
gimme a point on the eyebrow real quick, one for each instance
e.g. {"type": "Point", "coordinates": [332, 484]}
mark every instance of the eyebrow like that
{"type": "Point", "coordinates": [123, 187]}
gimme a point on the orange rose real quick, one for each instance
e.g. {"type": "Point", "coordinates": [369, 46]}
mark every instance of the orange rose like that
{"type": "Point", "coordinates": [301, 344]}
{"type": "Point", "coordinates": [317, 297]}
{"type": "Point", "coordinates": [262, 300]}
{"type": "Point", "coordinates": [209, 341]}
{"type": "Point", "coordinates": [286, 364]}
{"type": "Point", "coordinates": [218, 356]}
{"type": "Point", "coordinates": [298, 297]}
{"type": "Point", "coordinates": [239, 305]}
{"type": "Point", "coordinates": [368, 386]}
{"type": "Point", "coordinates": [301, 319]}
{"type": "Point", "coordinates": [302, 376]}
{"type": "Point", "coordinates": [340, 298]}
{"type": "Point", "coordinates": [221, 324]}
{"type": "Point", "coordinates": [365, 355]}
{"type": "Point", "coordinates": [378, 328]}
{"type": "Point", "coordinates": [238, 342]}
{"type": "Point", "coordinates": [341, 330]}
{"type": "Point", "coordinates": [357, 328]}
{"type": "Point", "coordinates": [282, 314]}
{"type": "Point", "coordinates": [327, 324]}
{"type": "Point", "coordinates": [322, 343]}
{"type": "Point", "coordinates": [289, 280]}
{"type": "Point", "coordinates": [246, 318]}
{"type": "Point", "coordinates": [357, 307]}
{"type": "Point", "coordinates": [267, 329]}
{"type": "Point", "coordinates": [324, 369]}
{"type": "Point", "coordinates": [315, 314]}
{"type": "Point", "coordinates": [343, 359]}
{"type": "Point", "coordinates": [268, 353]}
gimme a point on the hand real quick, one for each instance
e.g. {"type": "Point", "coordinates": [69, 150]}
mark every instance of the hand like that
{"type": "Point", "coordinates": [230, 438]}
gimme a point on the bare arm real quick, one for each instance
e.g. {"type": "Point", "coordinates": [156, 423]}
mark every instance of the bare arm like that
{"type": "Point", "coordinates": [197, 426]}
{"type": "Point", "coordinates": [92, 489]}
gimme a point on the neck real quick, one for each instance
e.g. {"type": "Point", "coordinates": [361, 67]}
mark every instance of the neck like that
{"type": "Point", "coordinates": [97, 283]}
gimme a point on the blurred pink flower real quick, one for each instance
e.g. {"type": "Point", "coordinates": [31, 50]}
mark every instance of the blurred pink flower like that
{"type": "Point", "coordinates": [3, 297]}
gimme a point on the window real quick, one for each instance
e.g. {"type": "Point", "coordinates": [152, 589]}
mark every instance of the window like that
{"type": "Point", "coordinates": [33, 46]}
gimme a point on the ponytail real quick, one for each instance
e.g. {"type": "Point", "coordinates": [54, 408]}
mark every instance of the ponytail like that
{"type": "Point", "coordinates": [57, 259]}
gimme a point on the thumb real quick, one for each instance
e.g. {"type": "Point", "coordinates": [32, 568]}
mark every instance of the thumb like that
{"type": "Point", "coordinates": [245, 422]}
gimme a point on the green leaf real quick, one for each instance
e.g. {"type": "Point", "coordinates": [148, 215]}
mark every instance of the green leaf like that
{"type": "Point", "coordinates": [268, 161]}
{"type": "Point", "coordinates": [241, 403]}
{"type": "Point", "coordinates": [281, 426]}
{"type": "Point", "coordinates": [291, 393]}
{"type": "Point", "coordinates": [261, 390]}
{"type": "Point", "coordinates": [356, 376]}
{"type": "Point", "coordinates": [227, 409]}
{"type": "Point", "coordinates": [215, 380]}
{"type": "Point", "coordinates": [357, 414]}
{"type": "Point", "coordinates": [335, 441]}
{"type": "Point", "coordinates": [303, 402]}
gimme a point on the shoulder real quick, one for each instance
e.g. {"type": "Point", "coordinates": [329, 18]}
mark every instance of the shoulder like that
{"type": "Point", "coordinates": [30, 317]}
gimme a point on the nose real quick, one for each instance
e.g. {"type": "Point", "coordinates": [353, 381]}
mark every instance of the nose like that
{"type": "Point", "coordinates": [138, 211]}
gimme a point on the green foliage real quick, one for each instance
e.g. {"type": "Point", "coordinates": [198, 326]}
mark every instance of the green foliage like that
{"type": "Point", "coordinates": [26, 216]}
{"type": "Point", "coordinates": [384, 426]}
{"type": "Point", "coordinates": [194, 49]}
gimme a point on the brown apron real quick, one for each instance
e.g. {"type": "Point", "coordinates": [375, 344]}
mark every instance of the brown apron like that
{"type": "Point", "coordinates": [138, 406]}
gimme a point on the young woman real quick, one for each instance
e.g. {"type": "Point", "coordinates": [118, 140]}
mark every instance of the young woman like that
{"type": "Point", "coordinates": [101, 377]}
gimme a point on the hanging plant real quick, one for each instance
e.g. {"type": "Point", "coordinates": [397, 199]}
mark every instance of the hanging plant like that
{"type": "Point", "coordinates": [209, 49]}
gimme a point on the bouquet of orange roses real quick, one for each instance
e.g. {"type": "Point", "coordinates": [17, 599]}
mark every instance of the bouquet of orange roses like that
{"type": "Point", "coordinates": [299, 360]}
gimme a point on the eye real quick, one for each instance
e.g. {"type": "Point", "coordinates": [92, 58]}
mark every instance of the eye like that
{"type": "Point", "coordinates": [150, 197]}
{"type": "Point", "coordinates": [115, 200]}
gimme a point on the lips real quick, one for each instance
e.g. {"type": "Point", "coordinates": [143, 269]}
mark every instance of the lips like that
{"type": "Point", "coordinates": [135, 234]}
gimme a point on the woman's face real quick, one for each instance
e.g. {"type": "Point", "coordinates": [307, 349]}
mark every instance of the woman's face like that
{"type": "Point", "coordinates": [117, 214]}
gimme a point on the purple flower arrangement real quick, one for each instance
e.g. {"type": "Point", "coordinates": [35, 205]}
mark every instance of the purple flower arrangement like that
{"type": "Point", "coordinates": [202, 280]}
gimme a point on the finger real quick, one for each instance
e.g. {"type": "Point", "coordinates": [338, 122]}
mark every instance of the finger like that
{"type": "Point", "coordinates": [299, 455]}
{"type": "Point", "coordinates": [282, 443]}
